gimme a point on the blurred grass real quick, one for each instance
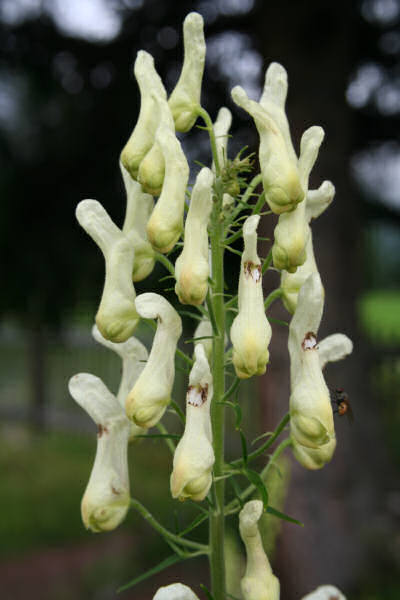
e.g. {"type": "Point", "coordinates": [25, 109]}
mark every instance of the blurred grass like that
{"type": "Point", "coordinates": [379, 313]}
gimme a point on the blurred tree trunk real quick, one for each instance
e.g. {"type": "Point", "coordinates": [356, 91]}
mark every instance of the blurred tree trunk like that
{"type": "Point", "coordinates": [315, 42]}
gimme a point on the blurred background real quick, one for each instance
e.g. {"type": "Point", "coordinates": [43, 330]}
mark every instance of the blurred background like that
{"type": "Point", "coordinates": [68, 102]}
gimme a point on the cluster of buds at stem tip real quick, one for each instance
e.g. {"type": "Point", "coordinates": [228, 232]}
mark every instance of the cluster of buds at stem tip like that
{"type": "Point", "coordinates": [250, 332]}
{"type": "Point", "coordinates": [175, 591]}
{"type": "Point", "coordinates": [107, 498]}
{"type": "Point", "coordinates": [151, 394]}
{"type": "Point", "coordinates": [192, 266]}
{"type": "Point", "coordinates": [311, 416]}
{"type": "Point", "coordinates": [116, 317]}
{"type": "Point", "coordinates": [317, 202]}
{"type": "Point", "coordinates": [259, 582]}
{"type": "Point", "coordinates": [278, 160]}
{"type": "Point", "coordinates": [194, 455]}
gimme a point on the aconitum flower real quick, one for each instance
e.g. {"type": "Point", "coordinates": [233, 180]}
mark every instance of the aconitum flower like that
{"type": "Point", "coordinates": [259, 582]}
{"type": "Point", "coordinates": [184, 101]}
{"type": "Point", "coordinates": [194, 455]}
{"type": "Point", "coordinates": [116, 317]}
{"type": "Point", "coordinates": [192, 266]}
{"type": "Point", "coordinates": [175, 591]}
{"type": "Point", "coordinates": [250, 332]}
{"type": "Point", "coordinates": [278, 160]}
{"type": "Point", "coordinates": [325, 592]}
{"type": "Point", "coordinates": [106, 499]}
{"type": "Point", "coordinates": [151, 394]}
{"type": "Point", "coordinates": [311, 416]}
{"type": "Point", "coordinates": [166, 222]}
{"type": "Point", "coordinates": [142, 137]}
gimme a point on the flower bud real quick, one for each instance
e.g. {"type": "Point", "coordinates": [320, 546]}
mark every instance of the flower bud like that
{"type": "Point", "coordinates": [194, 455]}
{"type": "Point", "coordinates": [191, 267]}
{"type": "Point", "coordinates": [166, 222]}
{"type": "Point", "coordinates": [152, 168]}
{"type": "Point", "coordinates": [134, 356]}
{"type": "Point", "coordinates": [259, 582]}
{"type": "Point", "coordinates": [138, 210]}
{"type": "Point", "coordinates": [204, 330]}
{"type": "Point", "coordinates": [250, 332]}
{"type": "Point", "coordinates": [316, 202]}
{"type": "Point", "coordinates": [221, 131]}
{"type": "Point", "coordinates": [325, 592]}
{"type": "Point", "coordinates": [278, 160]}
{"type": "Point", "coordinates": [175, 591]}
{"type": "Point", "coordinates": [292, 232]}
{"type": "Point", "coordinates": [116, 317]}
{"type": "Point", "coordinates": [151, 394]}
{"type": "Point", "coordinates": [184, 101]}
{"type": "Point", "coordinates": [107, 498]}
{"type": "Point", "coordinates": [142, 137]}
{"type": "Point", "coordinates": [311, 416]}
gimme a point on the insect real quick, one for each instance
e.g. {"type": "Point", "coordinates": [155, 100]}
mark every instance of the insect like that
{"type": "Point", "coordinates": [342, 402]}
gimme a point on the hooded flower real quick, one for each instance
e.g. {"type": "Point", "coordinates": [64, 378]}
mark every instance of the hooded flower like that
{"type": "Point", "coordinates": [311, 416]}
{"type": "Point", "coordinates": [316, 202]}
{"type": "Point", "coordinates": [166, 222]}
{"type": "Point", "coordinates": [194, 455]}
{"type": "Point", "coordinates": [259, 582]}
{"type": "Point", "coordinates": [142, 137]}
{"type": "Point", "coordinates": [221, 131]}
{"type": "Point", "coordinates": [250, 332]}
{"type": "Point", "coordinates": [175, 591]}
{"type": "Point", "coordinates": [116, 317]}
{"type": "Point", "coordinates": [325, 592]}
{"type": "Point", "coordinates": [292, 231]}
{"type": "Point", "coordinates": [138, 210]}
{"type": "Point", "coordinates": [152, 168]}
{"type": "Point", "coordinates": [191, 267]}
{"type": "Point", "coordinates": [278, 160]}
{"type": "Point", "coordinates": [151, 394]}
{"type": "Point", "coordinates": [107, 498]}
{"type": "Point", "coordinates": [184, 101]}
{"type": "Point", "coordinates": [134, 356]}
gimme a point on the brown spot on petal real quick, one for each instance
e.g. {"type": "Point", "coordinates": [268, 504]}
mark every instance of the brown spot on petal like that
{"type": "Point", "coordinates": [197, 395]}
{"type": "Point", "coordinates": [252, 270]}
{"type": "Point", "coordinates": [114, 491]}
{"type": "Point", "coordinates": [101, 429]}
{"type": "Point", "coordinates": [310, 341]}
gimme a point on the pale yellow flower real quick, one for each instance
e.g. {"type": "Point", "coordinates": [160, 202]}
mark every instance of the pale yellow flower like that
{"type": "Point", "coordinates": [175, 591]}
{"type": "Point", "coordinates": [325, 592]}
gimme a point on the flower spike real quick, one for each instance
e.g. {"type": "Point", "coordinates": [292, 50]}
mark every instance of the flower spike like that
{"type": "Point", "coordinates": [250, 331]}
{"type": "Point", "coordinates": [117, 316]}
{"type": "Point", "coordinates": [166, 222]}
{"type": "Point", "coordinates": [259, 582]}
{"type": "Point", "coordinates": [142, 137]}
{"type": "Point", "coordinates": [138, 210]}
{"type": "Point", "coordinates": [107, 498]}
{"type": "Point", "coordinates": [184, 101]}
{"type": "Point", "coordinates": [151, 394]}
{"type": "Point", "coordinates": [194, 455]}
{"type": "Point", "coordinates": [191, 267]}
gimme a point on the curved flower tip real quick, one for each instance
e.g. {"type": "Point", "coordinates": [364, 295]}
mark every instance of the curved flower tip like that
{"type": "Point", "coordinates": [325, 592]}
{"type": "Point", "coordinates": [151, 394]}
{"type": "Point", "coordinates": [221, 130]}
{"type": "Point", "coordinates": [166, 222]}
{"type": "Point", "coordinates": [116, 317]}
{"type": "Point", "coordinates": [192, 266]}
{"type": "Point", "coordinates": [250, 332]}
{"type": "Point", "coordinates": [194, 455]}
{"type": "Point", "coordinates": [106, 499]}
{"type": "Point", "coordinates": [184, 101]}
{"type": "Point", "coordinates": [259, 582]}
{"type": "Point", "coordinates": [142, 137]}
{"type": "Point", "coordinates": [175, 591]}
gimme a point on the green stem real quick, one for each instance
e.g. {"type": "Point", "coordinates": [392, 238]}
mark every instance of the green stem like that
{"type": "Point", "coordinates": [163, 430]}
{"type": "Point", "coordinates": [176, 539]}
{"type": "Point", "coordinates": [265, 446]}
{"type": "Point", "coordinates": [166, 262]}
{"type": "Point", "coordinates": [210, 128]}
{"type": "Point", "coordinates": [272, 297]}
{"type": "Point", "coordinates": [217, 518]}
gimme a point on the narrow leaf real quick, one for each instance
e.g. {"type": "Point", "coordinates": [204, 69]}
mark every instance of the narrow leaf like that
{"type": "Point", "coordinates": [195, 523]}
{"type": "Point", "coordinates": [281, 515]}
{"type": "Point", "coordinates": [178, 411]}
{"type": "Point", "coordinates": [256, 480]}
{"type": "Point", "coordinates": [244, 448]}
{"type": "Point", "coordinates": [206, 591]}
{"type": "Point", "coordinates": [164, 564]}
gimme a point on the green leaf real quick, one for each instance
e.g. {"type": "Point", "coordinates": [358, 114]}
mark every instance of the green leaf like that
{"type": "Point", "coordinates": [207, 592]}
{"type": "Point", "coordinates": [164, 564]}
{"type": "Point", "coordinates": [192, 315]}
{"type": "Point", "coordinates": [237, 491]}
{"type": "Point", "coordinates": [195, 523]}
{"type": "Point", "coordinates": [237, 409]}
{"type": "Point", "coordinates": [172, 436]}
{"type": "Point", "coordinates": [278, 321]}
{"type": "Point", "coordinates": [244, 446]}
{"type": "Point", "coordinates": [281, 515]}
{"type": "Point", "coordinates": [178, 411]}
{"type": "Point", "coordinates": [196, 339]}
{"type": "Point", "coordinates": [263, 435]}
{"type": "Point", "coordinates": [256, 480]}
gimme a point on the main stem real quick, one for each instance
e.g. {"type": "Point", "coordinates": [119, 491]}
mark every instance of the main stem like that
{"type": "Point", "coordinates": [217, 519]}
